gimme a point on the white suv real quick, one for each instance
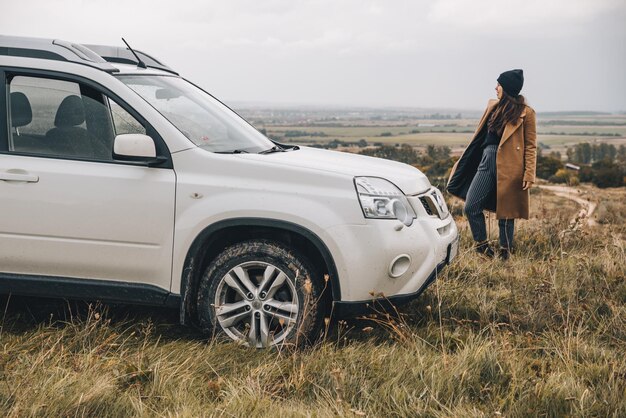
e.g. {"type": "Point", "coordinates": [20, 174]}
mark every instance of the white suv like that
{"type": "Point", "coordinates": [122, 181]}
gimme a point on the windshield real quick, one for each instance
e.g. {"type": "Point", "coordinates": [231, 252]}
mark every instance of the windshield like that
{"type": "Point", "coordinates": [199, 116]}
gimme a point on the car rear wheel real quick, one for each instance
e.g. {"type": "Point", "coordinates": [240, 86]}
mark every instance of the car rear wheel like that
{"type": "Point", "coordinates": [261, 294]}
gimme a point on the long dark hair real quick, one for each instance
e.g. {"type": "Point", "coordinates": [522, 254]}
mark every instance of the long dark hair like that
{"type": "Point", "coordinates": [508, 110]}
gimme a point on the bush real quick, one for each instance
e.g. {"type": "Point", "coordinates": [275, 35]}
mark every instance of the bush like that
{"type": "Point", "coordinates": [561, 176]}
{"type": "Point", "coordinates": [404, 154]}
{"type": "Point", "coordinates": [547, 166]}
{"type": "Point", "coordinates": [585, 173]}
{"type": "Point", "coordinates": [565, 176]}
{"type": "Point", "coordinates": [438, 168]}
{"type": "Point", "coordinates": [611, 213]}
{"type": "Point", "coordinates": [607, 174]}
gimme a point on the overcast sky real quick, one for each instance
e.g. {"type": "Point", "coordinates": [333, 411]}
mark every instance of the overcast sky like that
{"type": "Point", "coordinates": [423, 53]}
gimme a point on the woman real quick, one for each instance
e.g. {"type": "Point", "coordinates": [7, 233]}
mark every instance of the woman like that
{"type": "Point", "coordinates": [497, 169]}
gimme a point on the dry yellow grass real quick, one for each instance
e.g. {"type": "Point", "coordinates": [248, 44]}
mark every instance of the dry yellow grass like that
{"type": "Point", "coordinates": [544, 335]}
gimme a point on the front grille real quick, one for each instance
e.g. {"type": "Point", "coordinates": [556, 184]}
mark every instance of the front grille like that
{"type": "Point", "coordinates": [430, 201]}
{"type": "Point", "coordinates": [426, 203]}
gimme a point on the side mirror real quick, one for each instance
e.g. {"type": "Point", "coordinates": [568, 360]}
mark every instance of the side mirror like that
{"type": "Point", "coordinates": [134, 147]}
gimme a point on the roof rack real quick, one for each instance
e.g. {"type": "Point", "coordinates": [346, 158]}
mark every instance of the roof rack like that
{"type": "Point", "coordinates": [97, 56]}
{"type": "Point", "coordinates": [50, 49]}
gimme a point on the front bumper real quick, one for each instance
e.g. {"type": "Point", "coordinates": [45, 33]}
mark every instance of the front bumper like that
{"type": "Point", "coordinates": [345, 309]}
{"type": "Point", "coordinates": [367, 255]}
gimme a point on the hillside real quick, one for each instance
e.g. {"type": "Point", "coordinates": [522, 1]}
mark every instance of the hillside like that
{"type": "Point", "coordinates": [543, 335]}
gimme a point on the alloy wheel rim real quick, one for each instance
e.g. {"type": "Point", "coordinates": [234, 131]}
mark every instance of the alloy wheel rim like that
{"type": "Point", "coordinates": [256, 304]}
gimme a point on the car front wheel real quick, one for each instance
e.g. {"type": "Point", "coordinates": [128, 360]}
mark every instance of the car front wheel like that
{"type": "Point", "coordinates": [261, 294]}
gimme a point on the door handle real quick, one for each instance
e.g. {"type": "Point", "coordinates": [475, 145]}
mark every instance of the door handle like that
{"type": "Point", "coordinates": [18, 176]}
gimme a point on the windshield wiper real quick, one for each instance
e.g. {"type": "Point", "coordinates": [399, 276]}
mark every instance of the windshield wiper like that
{"type": "Point", "coordinates": [275, 148]}
{"type": "Point", "coordinates": [235, 151]}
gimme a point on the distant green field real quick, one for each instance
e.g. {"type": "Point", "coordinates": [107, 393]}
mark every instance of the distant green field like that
{"type": "Point", "coordinates": [558, 133]}
{"type": "Point", "coordinates": [372, 135]}
{"type": "Point", "coordinates": [558, 142]}
{"type": "Point", "coordinates": [373, 131]}
{"type": "Point", "coordinates": [586, 129]}
{"type": "Point", "coordinates": [446, 138]}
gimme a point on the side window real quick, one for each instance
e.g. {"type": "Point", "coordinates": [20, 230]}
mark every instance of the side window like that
{"type": "Point", "coordinates": [64, 119]}
{"type": "Point", "coordinates": [123, 122]}
{"type": "Point", "coordinates": [34, 103]}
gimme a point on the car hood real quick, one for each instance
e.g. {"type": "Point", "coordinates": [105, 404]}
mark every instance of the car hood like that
{"type": "Point", "coordinates": [409, 179]}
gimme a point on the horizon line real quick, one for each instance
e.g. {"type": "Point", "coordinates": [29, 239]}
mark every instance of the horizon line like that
{"type": "Point", "coordinates": [329, 106]}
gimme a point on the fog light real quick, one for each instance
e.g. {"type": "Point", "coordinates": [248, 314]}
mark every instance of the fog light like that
{"type": "Point", "coordinates": [399, 265]}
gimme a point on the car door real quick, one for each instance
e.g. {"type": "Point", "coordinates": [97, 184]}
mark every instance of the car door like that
{"type": "Point", "coordinates": [68, 208]}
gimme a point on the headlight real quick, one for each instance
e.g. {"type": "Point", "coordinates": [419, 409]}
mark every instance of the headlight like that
{"type": "Point", "coordinates": [381, 199]}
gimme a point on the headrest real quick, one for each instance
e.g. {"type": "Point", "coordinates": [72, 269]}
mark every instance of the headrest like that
{"type": "Point", "coordinates": [71, 112]}
{"type": "Point", "coordinates": [21, 113]}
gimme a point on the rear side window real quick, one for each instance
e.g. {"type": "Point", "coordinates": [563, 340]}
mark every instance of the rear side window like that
{"type": "Point", "coordinates": [64, 119]}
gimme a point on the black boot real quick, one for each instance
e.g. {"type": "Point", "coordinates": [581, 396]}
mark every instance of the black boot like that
{"type": "Point", "coordinates": [484, 249]}
{"type": "Point", "coordinates": [505, 253]}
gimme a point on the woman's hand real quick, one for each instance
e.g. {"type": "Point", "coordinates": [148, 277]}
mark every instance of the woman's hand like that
{"type": "Point", "coordinates": [527, 185]}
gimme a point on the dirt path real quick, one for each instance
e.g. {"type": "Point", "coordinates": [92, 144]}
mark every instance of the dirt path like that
{"type": "Point", "coordinates": [572, 193]}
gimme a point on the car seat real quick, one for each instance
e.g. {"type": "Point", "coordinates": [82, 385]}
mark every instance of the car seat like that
{"type": "Point", "coordinates": [22, 115]}
{"type": "Point", "coordinates": [67, 138]}
{"type": "Point", "coordinates": [21, 112]}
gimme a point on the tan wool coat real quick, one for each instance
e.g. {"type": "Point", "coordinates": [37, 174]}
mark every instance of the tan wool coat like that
{"type": "Point", "coordinates": [515, 163]}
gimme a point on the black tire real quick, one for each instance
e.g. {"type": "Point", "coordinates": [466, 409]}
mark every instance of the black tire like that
{"type": "Point", "coordinates": [223, 288]}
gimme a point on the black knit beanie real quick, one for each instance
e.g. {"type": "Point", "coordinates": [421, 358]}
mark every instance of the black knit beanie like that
{"type": "Point", "coordinates": [512, 81]}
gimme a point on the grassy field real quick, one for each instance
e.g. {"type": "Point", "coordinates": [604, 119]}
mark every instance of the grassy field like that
{"type": "Point", "coordinates": [543, 335]}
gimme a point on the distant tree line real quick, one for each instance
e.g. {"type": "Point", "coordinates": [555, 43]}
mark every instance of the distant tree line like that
{"type": "Point", "coordinates": [586, 153]}
{"type": "Point", "coordinates": [434, 162]}
{"type": "Point", "coordinates": [580, 123]}
{"type": "Point", "coordinates": [295, 134]}
{"type": "Point", "coordinates": [601, 164]}
{"type": "Point", "coordinates": [434, 116]}
{"type": "Point", "coordinates": [582, 133]}
{"type": "Point", "coordinates": [607, 167]}
{"type": "Point", "coordinates": [336, 143]}
{"type": "Point", "coordinates": [439, 116]}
